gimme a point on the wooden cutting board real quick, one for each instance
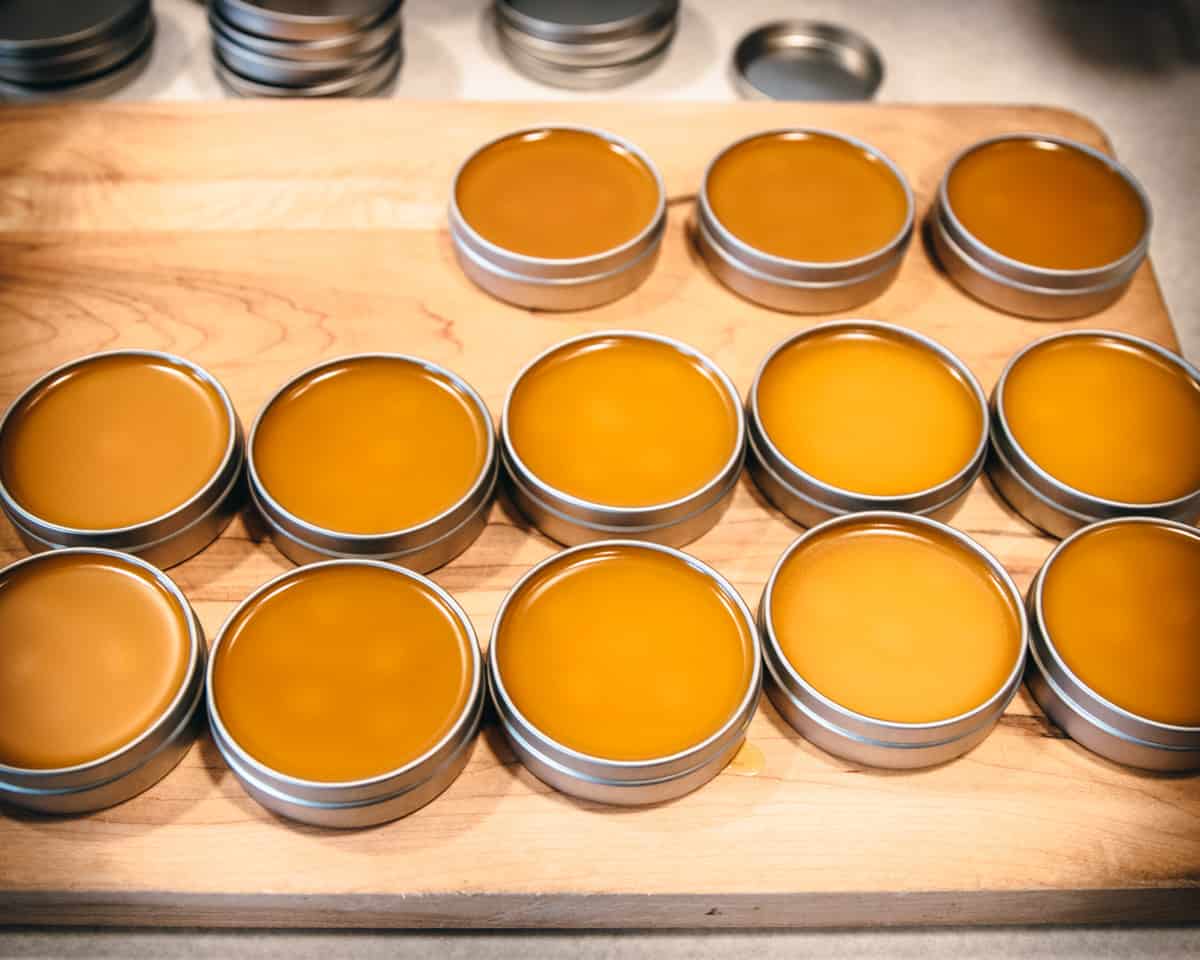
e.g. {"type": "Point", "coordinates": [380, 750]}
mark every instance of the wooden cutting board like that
{"type": "Point", "coordinates": [258, 238]}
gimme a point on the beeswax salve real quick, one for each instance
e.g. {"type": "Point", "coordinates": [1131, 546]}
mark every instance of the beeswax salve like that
{"type": "Point", "coordinates": [891, 639]}
{"type": "Point", "coordinates": [375, 455]}
{"type": "Point", "coordinates": [1040, 226]}
{"type": "Point", "coordinates": [624, 672]}
{"type": "Point", "coordinates": [804, 220]}
{"type": "Point", "coordinates": [622, 432]}
{"type": "Point", "coordinates": [856, 415]}
{"type": "Point", "coordinates": [346, 693]}
{"type": "Point", "coordinates": [1092, 424]}
{"type": "Point", "coordinates": [132, 450]}
{"type": "Point", "coordinates": [101, 679]}
{"type": "Point", "coordinates": [1116, 641]}
{"type": "Point", "coordinates": [557, 218]}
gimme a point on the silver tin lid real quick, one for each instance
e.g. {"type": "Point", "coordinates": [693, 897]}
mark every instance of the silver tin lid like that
{"type": "Point", "coordinates": [361, 43]}
{"type": "Point", "coordinates": [302, 19]}
{"type": "Point", "coordinates": [624, 782]}
{"type": "Point", "coordinates": [807, 499]}
{"type": "Point", "coordinates": [1051, 504]}
{"type": "Point", "coordinates": [1098, 723]}
{"type": "Point", "coordinates": [370, 801]}
{"type": "Point", "coordinates": [422, 547]}
{"type": "Point", "coordinates": [137, 765]}
{"type": "Point", "coordinates": [369, 79]}
{"type": "Point", "coordinates": [868, 740]}
{"type": "Point", "coordinates": [80, 63]}
{"type": "Point", "coordinates": [573, 520]}
{"type": "Point", "coordinates": [164, 540]}
{"type": "Point", "coordinates": [806, 60]}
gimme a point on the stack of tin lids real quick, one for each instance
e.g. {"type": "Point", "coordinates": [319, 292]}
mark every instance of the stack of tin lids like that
{"type": "Point", "coordinates": [306, 48]}
{"type": "Point", "coordinates": [72, 49]}
{"type": "Point", "coordinates": [586, 44]}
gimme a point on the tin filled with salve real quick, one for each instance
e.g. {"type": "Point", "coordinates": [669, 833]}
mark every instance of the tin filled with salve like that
{"type": "Point", "coordinates": [806, 221]}
{"type": "Point", "coordinates": [374, 455]}
{"type": "Point", "coordinates": [133, 450]}
{"type": "Point", "coordinates": [558, 217]}
{"type": "Point", "coordinates": [1115, 650]}
{"type": "Point", "coordinates": [622, 434]}
{"type": "Point", "coordinates": [891, 640]}
{"type": "Point", "coordinates": [624, 672]}
{"type": "Point", "coordinates": [101, 679]}
{"type": "Point", "coordinates": [856, 415]}
{"type": "Point", "coordinates": [1040, 226]}
{"type": "Point", "coordinates": [1093, 424]}
{"type": "Point", "coordinates": [346, 693]}
{"type": "Point", "coordinates": [585, 44]}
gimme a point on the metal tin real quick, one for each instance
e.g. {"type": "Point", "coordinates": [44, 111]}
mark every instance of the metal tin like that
{"type": "Point", "coordinates": [1088, 718]}
{"type": "Point", "coordinates": [421, 548]}
{"type": "Point", "coordinates": [543, 283]}
{"type": "Point", "coordinates": [1048, 503]}
{"type": "Point", "coordinates": [806, 60]}
{"type": "Point", "coordinates": [353, 46]}
{"type": "Point", "coordinates": [81, 63]}
{"type": "Point", "coordinates": [568, 46]}
{"type": "Point", "coordinates": [368, 81]}
{"type": "Point", "coordinates": [623, 782]}
{"type": "Point", "coordinates": [137, 765]}
{"type": "Point", "coordinates": [165, 540]}
{"type": "Point", "coordinates": [798, 286]}
{"type": "Point", "coordinates": [1022, 288]}
{"type": "Point", "coordinates": [866, 740]}
{"type": "Point", "coordinates": [356, 803]}
{"type": "Point", "coordinates": [571, 520]}
{"type": "Point", "coordinates": [40, 31]}
{"type": "Point", "coordinates": [301, 19]}
{"type": "Point", "coordinates": [90, 88]}
{"type": "Point", "coordinates": [809, 501]}
{"type": "Point", "coordinates": [261, 68]}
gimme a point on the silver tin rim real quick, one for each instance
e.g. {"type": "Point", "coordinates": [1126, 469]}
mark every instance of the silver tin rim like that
{"type": "Point", "coordinates": [89, 88]}
{"type": "Point", "coordinates": [825, 499]}
{"type": "Point", "coordinates": [869, 740]}
{"type": "Point", "coordinates": [1052, 504]}
{"type": "Point", "coordinates": [816, 35]}
{"type": "Point", "coordinates": [1117, 733]}
{"type": "Point", "coordinates": [83, 64]}
{"type": "Point", "coordinates": [370, 800]}
{"type": "Point", "coordinates": [217, 491]}
{"type": "Point", "coordinates": [571, 70]}
{"type": "Point", "coordinates": [135, 766]}
{"type": "Point", "coordinates": [369, 79]}
{"type": "Point", "coordinates": [657, 13]}
{"type": "Point", "coordinates": [625, 782]}
{"type": "Point", "coordinates": [410, 546]}
{"type": "Point", "coordinates": [363, 43]}
{"type": "Point", "coordinates": [601, 521]}
{"type": "Point", "coordinates": [273, 24]}
{"type": "Point", "coordinates": [269, 69]}
{"type": "Point", "coordinates": [66, 45]}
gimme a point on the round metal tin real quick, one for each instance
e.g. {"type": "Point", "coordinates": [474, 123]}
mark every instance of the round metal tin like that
{"type": "Point", "coordinates": [165, 540]}
{"type": "Point", "coordinates": [356, 803]}
{"type": "Point", "coordinates": [809, 501]}
{"type": "Point", "coordinates": [572, 520]}
{"type": "Point", "coordinates": [1088, 718]}
{"type": "Point", "coordinates": [137, 765]}
{"type": "Point", "coordinates": [623, 782]}
{"type": "Point", "coordinates": [264, 69]}
{"type": "Point", "coordinates": [861, 739]}
{"type": "Point", "coordinates": [89, 88]}
{"type": "Point", "coordinates": [544, 283]}
{"type": "Point", "coordinates": [302, 19]}
{"type": "Point", "coordinates": [805, 60]}
{"type": "Point", "coordinates": [1049, 504]}
{"type": "Point", "coordinates": [373, 78]}
{"type": "Point", "coordinates": [431, 544]}
{"type": "Point", "coordinates": [81, 63]}
{"type": "Point", "coordinates": [39, 31]}
{"type": "Point", "coordinates": [798, 286]}
{"type": "Point", "coordinates": [352, 46]}
{"type": "Point", "coordinates": [1021, 288]}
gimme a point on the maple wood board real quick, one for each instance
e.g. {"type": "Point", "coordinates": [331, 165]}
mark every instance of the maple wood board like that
{"type": "Point", "coordinates": [259, 238]}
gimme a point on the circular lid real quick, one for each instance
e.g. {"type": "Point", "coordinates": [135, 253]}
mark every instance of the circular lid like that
{"type": "Point", "coordinates": [35, 28]}
{"type": "Point", "coordinates": [302, 19]}
{"type": "Point", "coordinates": [586, 21]}
{"type": "Point", "coordinates": [798, 60]}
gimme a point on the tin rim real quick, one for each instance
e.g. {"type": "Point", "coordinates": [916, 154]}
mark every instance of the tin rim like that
{"type": "Point", "coordinates": [828, 36]}
{"type": "Point", "coordinates": [155, 729]}
{"type": "Point", "coordinates": [367, 41]}
{"type": "Point", "coordinates": [893, 247]}
{"type": "Point", "coordinates": [1128, 260]}
{"type": "Point", "coordinates": [702, 495]}
{"type": "Point", "coordinates": [348, 18]}
{"type": "Point", "coordinates": [1046, 640]}
{"type": "Point", "coordinates": [1059, 489]}
{"type": "Point", "coordinates": [456, 731]}
{"type": "Point", "coordinates": [459, 220]}
{"type": "Point", "coordinates": [738, 718]}
{"type": "Point", "coordinates": [97, 32]}
{"type": "Point", "coordinates": [258, 488]}
{"type": "Point", "coordinates": [211, 486]}
{"type": "Point", "coordinates": [581, 33]}
{"type": "Point", "coordinates": [970, 718]}
{"type": "Point", "coordinates": [938, 494]}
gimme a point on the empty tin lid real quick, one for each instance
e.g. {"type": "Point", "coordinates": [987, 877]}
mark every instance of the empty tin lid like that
{"type": "Point", "coordinates": [586, 21]}
{"type": "Point", "coordinates": [803, 60]}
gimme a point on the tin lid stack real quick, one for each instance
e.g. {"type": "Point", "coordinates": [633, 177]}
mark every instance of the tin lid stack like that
{"type": "Point", "coordinates": [72, 49]}
{"type": "Point", "coordinates": [306, 48]}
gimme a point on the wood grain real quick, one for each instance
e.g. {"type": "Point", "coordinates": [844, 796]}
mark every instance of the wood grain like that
{"type": "Point", "coordinates": [257, 239]}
